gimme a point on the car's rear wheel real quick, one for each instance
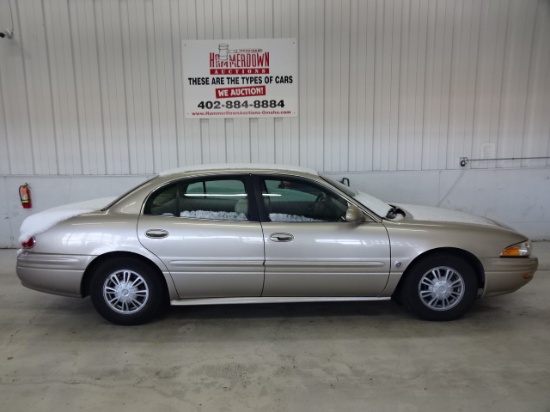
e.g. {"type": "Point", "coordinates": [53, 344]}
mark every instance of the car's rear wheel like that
{"type": "Point", "coordinates": [440, 287]}
{"type": "Point", "coordinates": [127, 291]}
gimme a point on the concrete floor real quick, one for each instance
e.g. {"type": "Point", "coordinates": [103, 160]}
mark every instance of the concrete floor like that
{"type": "Point", "coordinates": [56, 354]}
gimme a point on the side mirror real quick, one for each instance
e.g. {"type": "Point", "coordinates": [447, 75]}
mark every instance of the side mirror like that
{"type": "Point", "coordinates": [354, 215]}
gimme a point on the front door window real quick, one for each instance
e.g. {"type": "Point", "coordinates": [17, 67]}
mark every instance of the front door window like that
{"type": "Point", "coordinates": [295, 200]}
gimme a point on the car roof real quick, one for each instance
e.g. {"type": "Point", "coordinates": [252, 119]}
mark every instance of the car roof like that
{"type": "Point", "coordinates": [127, 204]}
{"type": "Point", "coordinates": [225, 167]}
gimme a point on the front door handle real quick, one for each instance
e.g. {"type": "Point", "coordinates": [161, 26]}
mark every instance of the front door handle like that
{"type": "Point", "coordinates": [156, 233]}
{"type": "Point", "coordinates": [281, 237]}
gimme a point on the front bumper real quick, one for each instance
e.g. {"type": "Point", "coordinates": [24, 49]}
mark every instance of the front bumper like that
{"type": "Point", "coordinates": [505, 275]}
{"type": "Point", "coordinates": [52, 273]}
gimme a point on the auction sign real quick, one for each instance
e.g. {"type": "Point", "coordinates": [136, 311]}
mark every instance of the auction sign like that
{"type": "Point", "coordinates": [240, 78]}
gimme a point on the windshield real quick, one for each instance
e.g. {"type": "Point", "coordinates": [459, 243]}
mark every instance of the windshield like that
{"type": "Point", "coordinates": [376, 205]}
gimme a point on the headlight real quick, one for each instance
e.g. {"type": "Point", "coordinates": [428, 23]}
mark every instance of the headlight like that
{"type": "Point", "coordinates": [522, 249]}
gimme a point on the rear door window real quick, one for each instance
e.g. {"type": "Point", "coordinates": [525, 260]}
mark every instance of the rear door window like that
{"type": "Point", "coordinates": [208, 199]}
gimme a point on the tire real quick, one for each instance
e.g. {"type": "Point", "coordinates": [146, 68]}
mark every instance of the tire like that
{"type": "Point", "coordinates": [127, 291]}
{"type": "Point", "coordinates": [441, 287]}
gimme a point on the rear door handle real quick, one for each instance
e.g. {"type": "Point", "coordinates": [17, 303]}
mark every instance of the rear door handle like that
{"type": "Point", "coordinates": [281, 237]}
{"type": "Point", "coordinates": [156, 233]}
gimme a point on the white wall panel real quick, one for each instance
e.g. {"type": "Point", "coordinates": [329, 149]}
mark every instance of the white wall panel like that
{"type": "Point", "coordinates": [42, 121]}
{"type": "Point", "coordinates": [337, 35]}
{"type": "Point", "coordinates": [362, 84]}
{"type": "Point", "coordinates": [95, 87]}
{"type": "Point", "coordinates": [537, 120]}
{"type": "Point", "coordinates": [262, 131]}
{"type": "Point", "coordinates": [493, 37]}
{"type": "Point", "coordinates": [311, 82]}
{"type": "Point", "coordinates": [162, 86]}
{"type": "Point", "coordinates": [520, 30]}
{"type": "Point", "coordinates": [112, 87]}
{"type": "Point", "coordinates": [88, 90]}
{"type": "Point", "coordinates": [137, 86]}
{"type": "Point", "coordinates": [463, 87]}
{"type": "Point", "coordinates": [438, 73]}
{"type": "Point", "coordinates": [189, 138]}
{"type": "Point", "coordinates": [16, 113]}
{"type": "Point", "coordinates": [62, 76]}
{"type": "Point", "coordinates": [5, 166]}
{"type": "Point", "coordinates": [286, 130]}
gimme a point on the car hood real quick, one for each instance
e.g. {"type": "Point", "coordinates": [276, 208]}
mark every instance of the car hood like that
{"type": "Point", "coordinates": [436, 214]}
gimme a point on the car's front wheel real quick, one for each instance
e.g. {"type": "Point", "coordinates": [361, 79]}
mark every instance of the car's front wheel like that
{"type": "Point", "coordinates": [126, 291]}
{"type": "Point", "coordinates": [440, 287]}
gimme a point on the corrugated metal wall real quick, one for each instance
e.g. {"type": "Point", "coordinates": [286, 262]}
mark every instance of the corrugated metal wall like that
{"type": "Point", "coordinates": [95, 87]}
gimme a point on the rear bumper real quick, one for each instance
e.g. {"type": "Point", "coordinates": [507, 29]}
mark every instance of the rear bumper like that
{"type": "Point", "coordinates": [505, 275]}
{"type": "Point", "coordinates": [56, 274]}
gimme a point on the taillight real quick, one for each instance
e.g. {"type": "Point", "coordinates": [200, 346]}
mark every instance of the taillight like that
{"type": "Point", "coordinates": [29, 243]}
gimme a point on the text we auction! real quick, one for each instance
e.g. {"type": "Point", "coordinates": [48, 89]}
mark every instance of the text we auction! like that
{"type": "Point", "coordinates": [232, 78]}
